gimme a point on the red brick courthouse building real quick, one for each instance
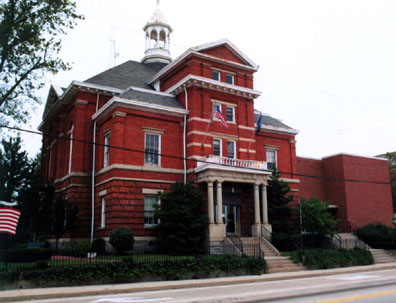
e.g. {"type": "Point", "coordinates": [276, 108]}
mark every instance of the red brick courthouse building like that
{"type": "Point", "coordinates": [158, 121]}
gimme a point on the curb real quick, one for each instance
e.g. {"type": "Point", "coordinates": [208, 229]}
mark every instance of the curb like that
{"type": "Point", "coordinates": [92, 290]}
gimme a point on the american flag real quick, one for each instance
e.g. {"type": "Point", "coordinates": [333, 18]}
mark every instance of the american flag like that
{"type": "Point", "coordinates": [9, 220]}
{"type": "Point", "coordinates": [219, 116]}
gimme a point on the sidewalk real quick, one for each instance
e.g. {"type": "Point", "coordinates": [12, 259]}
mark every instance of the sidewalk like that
{"type": "Point", "coordinates": [61, 292]}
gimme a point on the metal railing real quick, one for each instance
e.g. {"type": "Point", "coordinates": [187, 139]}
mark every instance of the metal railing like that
{"type": "Point", "coordinates": [233, 162]}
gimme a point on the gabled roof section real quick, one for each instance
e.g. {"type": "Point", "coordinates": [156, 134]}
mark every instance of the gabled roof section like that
{"type": "Point", "coordinates": [130, 73]}
{"type": "Point", "coordinates": [271, 124]}
{"type": "Point", "coordinates": [155, 98]}
{"type": "Point", "coordinates": [55, 92]}
{"type": "Point", "coordinates": [209, 47]}
{"type": "Point", "coordinates": [206, 51]}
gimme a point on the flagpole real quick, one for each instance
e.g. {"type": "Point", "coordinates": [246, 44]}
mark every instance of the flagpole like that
{"type": "Point", "coordinates": [206, 133]}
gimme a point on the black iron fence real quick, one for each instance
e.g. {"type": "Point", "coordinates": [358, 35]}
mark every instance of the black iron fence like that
{"type": "Point", "coordinates": [68, 257]}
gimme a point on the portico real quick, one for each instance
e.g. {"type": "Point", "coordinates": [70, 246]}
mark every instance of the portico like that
{"type": "Point", "coordinates": [220, 214]}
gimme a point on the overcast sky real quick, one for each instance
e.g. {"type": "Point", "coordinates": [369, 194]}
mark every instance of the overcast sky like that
{"type": "Point", "coordinates": [327, 67]}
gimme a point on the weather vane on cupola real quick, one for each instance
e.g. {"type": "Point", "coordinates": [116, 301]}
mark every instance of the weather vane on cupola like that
{"type": "Point", "coordinates": [157, 33]}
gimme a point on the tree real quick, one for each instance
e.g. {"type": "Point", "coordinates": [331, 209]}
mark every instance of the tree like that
{"type": "Point", "coordinates": [279, 212]}
{"type": "Point", "coordinates": [392, 169]}
{"type": "Point", "coordinates": [14, 169]}
{"type": "Point", "coordinates": [30, 41]}
{"type": "Point", "coordinates": [182, 223]}
{"type": "Point", "coordinates": [316, 218]}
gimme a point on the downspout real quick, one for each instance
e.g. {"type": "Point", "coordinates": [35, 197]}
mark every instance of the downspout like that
{"type": "Point", "coordinates": [93, 172]}
{"type": "Point", "coordinates": [184, 136]}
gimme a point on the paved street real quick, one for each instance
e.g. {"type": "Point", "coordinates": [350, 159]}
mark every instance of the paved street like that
{"type": "Point", "coordinates": [378, 285]}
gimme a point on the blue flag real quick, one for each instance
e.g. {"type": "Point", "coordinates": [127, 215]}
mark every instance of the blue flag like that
{"type": "Point", "coordinates": [259, 123]}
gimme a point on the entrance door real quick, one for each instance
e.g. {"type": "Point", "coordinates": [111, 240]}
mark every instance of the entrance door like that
{"type": "Point", "coordinates": [231, 218]}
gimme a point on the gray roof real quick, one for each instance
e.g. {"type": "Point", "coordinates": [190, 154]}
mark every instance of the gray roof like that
{"type": "Point", "coordinates": [267, 120]}
{"type": "Point", "coordinates": [130, 73]}
{"type": "Point", "coordinates": [152, 98]}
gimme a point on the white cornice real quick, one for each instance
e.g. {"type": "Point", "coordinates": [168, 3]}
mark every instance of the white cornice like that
{"type": "Point", "coordinates": [126, 103]}
{"type": "Point", "coordinates": [192, 80]}
{"type": "Point", "coordinates": [281, 130]}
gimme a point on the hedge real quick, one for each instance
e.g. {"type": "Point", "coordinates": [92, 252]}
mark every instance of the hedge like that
{"type": "Point", "coordinates": [126, 271]}
{"type": "Point", "coordinates": [323, 259]}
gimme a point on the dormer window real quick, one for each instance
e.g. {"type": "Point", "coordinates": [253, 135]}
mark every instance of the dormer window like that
{"type": "Point", "coordinates": [216, 75]}
{"type": "Point", "coordinates": [229, 79]}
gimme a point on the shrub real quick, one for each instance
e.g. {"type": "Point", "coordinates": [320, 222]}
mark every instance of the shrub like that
{"type": "Point", "coordinates": [15, 255]}
{"type": "Point", "coordinates": [378, 235]}
{"type": "Point", "coordinates": [122, 239]}
{"type": "Point", "coordinates": [323, 259]}
{"type": "Point", "coordinates": [76, 249]}
{"type": "Point", "coordinates": [98, 246]}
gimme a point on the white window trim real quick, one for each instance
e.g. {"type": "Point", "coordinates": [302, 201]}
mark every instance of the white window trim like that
{"type": "Point", "coordinates": [159, 204]}
{"type": "Point", "coordinates": [232, 77]}
{"type": "Point", "coordinates": [159, 147]}
{"type": "Point", "coordinates": [276, 156]}
{"type": "Point", "coordinates": [234, 149]}
{"type": "Point", "coordinates": [221, 146]}
{"type": "Point", "coordinates": [106, 150]}
{"type": "Point", "coordinates": [218, 72]}
{"type": "Point", "coordinates": [103, 212]}
{"type": "Point", "coordinates": [71, 149]}
{"type": "Point", "coordinates": [233, 114]}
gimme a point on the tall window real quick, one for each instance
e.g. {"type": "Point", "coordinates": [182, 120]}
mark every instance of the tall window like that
{"type": "Point", "coordinates": [150, 201]}
{"type": "Point", "coordinates": [215, 75]}
{"type": "Point", "coordinates": [152, 149]}
{"type": "Point", "coordinates": [217, 147]}
{"type": "Point", "coordinates": [271, 159]}
{"type": "Point", "coordinates": [71, 149]}
{"type": "Point", "coordinates": [229, 78]}
{"type": "Point", "coordinates": [216, 107]}
{"type": "Point", "coordinates": [231, 149]}
{"type": "Point", "coordinates": [103, 213]}
{"type": "Point", "coordinates": [230, 114]}
{"type": "Point", "coordinates": [106, 150]}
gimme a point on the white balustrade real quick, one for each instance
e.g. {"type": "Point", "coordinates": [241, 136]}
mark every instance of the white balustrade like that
{"type": "Point", "coordinates": [233, 162]}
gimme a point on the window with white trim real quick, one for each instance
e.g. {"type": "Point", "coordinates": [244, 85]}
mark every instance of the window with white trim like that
{"type": "Point", "coordinates": [231, 150]}
{"type": "Point", "coordinates": [229, 79]}
{"type": "Point", "coordinates": [216, 107]}
{"type": "Point", "coordinates": [217, 147]}
{"type": "Point", "coordinates": [230, 114]}
{"type": "Point", "coordinates": [152, 149]}
{"type": "Point", "coordinates": [106, 150]}
{"type": "Point", "coordinates": [71, 149]}
{"type": "Point", "coordinates": [150, 204]}
{"type": "Point", "coordinates": [103, 213]}
{"type": "Point", "coordinates": [216, 75]}
{"type": "Point", "coordinates": [271, 159]}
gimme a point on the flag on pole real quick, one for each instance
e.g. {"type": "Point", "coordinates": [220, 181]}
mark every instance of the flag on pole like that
{"type": "Point", "coordinates": [9, 220]}
{"type": "Point", "coordinates": [259, 123]}
{"type": "Point", "coordinates": [219, 116]}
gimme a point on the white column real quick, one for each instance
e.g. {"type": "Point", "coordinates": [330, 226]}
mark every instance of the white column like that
{"type": "Point", "coordinates": [210, 202]}
{"type": "Point", "coordinates": [265, 204]}
{"type": "Point", "coordinates": [256, 204]}
{"type": "Point", "coordinates": [219, 203]}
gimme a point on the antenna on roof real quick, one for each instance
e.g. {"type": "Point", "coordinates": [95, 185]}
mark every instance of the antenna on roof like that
{"type": "Point", "coordinates": [113, 53]}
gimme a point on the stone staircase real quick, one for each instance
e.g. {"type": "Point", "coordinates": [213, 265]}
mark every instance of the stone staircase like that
{"type": "Point", "coordinates": [380, 255]}
{"type": "Point", "coordinates": [276, 263]}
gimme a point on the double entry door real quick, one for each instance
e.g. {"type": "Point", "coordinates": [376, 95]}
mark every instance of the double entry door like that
{"type": "Point", "coordinates": [232, 218]}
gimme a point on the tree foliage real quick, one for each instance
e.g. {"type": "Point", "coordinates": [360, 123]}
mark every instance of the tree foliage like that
{"type": "Point", "coordinates": [316, 218]}
{"type": "Point", "coordinates": [279, 211]}
{"type": "Point", "coordinates": [30, 41]}
{"type": "Point", "coordinates": [182, 223]}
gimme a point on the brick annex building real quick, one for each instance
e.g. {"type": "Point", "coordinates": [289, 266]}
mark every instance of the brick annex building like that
{"type": "Point", "coordinates": [146, 117]}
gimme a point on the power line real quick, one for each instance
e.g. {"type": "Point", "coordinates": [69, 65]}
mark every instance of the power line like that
{"type": "Point", "coordinates": [187, 159]}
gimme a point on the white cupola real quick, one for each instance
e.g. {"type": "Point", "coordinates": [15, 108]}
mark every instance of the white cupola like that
{"type": "Point", "coordinates": [157, 33]}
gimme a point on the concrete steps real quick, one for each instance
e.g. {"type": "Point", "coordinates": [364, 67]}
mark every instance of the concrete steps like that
{"type": "Point", "coordinates": [382, 256]}
{"type": "Point", "coordinates": [276, 263]}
